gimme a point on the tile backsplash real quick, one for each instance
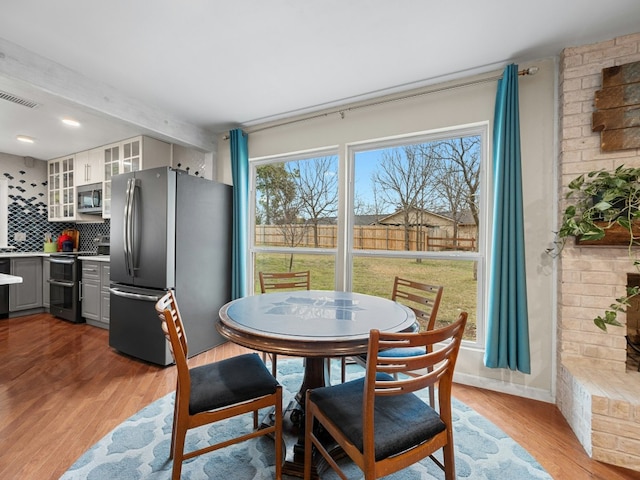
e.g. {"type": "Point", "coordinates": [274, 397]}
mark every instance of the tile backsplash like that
{"type": "Point", "coordinates": [27, 212]}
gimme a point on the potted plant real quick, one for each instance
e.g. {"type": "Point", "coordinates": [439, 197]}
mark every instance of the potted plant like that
{"type": "Point", "coordinates": [603, 202]}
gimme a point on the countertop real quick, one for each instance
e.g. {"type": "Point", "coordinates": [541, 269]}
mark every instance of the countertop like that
{"type": "Point", "coordinates": [94, 258]}
{"type": "Point", "coordinates": [81, 255]}
{"type": "Point", "coordinates": [9, 279]}
{"type": "Point", "coordinates": [23, 254]}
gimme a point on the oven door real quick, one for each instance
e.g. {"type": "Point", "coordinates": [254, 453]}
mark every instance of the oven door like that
{"type": "Point", "coordinates": [63, 268]}
{"type": "Point", "coordinates": [62, 301]}
{"type": "Point", "coordinates": [64, 289]}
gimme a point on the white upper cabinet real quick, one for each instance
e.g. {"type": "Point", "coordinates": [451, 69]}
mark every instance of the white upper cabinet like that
{"type": "Point", "coordinates": [129, 156]}
{"type": "Point", "coordinates": [62, 189]}
{"type": "Point", "coordinates": [64, 175]}
{"type": "Point", "coordinates": [88, 167]}
{"type": "Point", "coordinates": [99, 165]}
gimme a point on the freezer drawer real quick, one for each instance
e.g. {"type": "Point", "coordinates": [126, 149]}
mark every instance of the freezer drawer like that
{"type": "Point", "coordinates": [134, 327]}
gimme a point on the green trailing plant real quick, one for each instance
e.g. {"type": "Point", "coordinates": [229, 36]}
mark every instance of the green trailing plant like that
{"type": "Point", "coordinates": [598, 201]}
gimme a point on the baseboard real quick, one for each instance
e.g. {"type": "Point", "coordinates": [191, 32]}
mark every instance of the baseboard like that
{"type": "Point", "coordinates": [504, 387]}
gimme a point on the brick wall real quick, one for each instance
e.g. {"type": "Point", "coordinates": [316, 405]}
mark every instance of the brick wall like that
{"type": "Point", "coordinates": [591, 277]}
{"type": "Point", "coordinates": [599, 399]}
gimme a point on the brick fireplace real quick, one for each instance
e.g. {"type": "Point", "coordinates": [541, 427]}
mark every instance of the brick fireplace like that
{"type": "Point", "coordinates": [596, 391]}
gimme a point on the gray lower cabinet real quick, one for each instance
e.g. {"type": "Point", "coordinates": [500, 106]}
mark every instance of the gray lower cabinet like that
{"type": "Point", "coordinates": [105, 307]}
{"type": "Point", "coordinates": [28, 294]}
{"type": "Point", "coordinates": [46, 269]}
{"type": "Point", "coordinates": [90, 291]}
{"type": "Point", "coordinates": [94, 309]}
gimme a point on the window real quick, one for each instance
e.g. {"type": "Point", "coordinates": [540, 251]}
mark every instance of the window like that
{"type": "Point", "coordinates": [417, 212]}
{"type": "Point", "coordinates": [295, 204]}
{"type": "Point", "coordinates": [410, 206]}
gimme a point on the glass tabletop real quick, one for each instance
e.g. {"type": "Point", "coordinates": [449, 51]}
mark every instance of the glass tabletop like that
{"type": "Point", "coordinates": [315, 315]}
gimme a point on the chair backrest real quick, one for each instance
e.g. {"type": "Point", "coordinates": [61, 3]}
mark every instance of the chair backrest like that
{"type": "Point", "coordinates": [285, 280]}
{"type": "Point", "coordinates": [423, 299]}
{"type": "Point", "coordinates": [173, 329]}
{"type": "Point", "coordinates": [431, 368]}
{"type": "Point", "coordinates": [435, 366]}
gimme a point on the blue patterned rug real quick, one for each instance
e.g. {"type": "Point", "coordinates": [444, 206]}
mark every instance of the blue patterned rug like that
{"type": "Point", "coordinates": [138, 448]}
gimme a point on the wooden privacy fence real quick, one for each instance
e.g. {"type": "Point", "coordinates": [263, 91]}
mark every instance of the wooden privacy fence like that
{"type": "Point", "coordinates": [367, 237]}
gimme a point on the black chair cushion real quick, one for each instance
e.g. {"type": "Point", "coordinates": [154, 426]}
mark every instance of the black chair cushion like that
{"type": "Point", "coordinates": [400, 422]}
{"type": "Point", "coordinates": [229, 381]}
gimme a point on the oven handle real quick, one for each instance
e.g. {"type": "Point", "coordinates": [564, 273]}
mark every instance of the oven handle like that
{"type": "Point", "coordinates": [61, 283]}
{"type": "Point", "coordinates": [134, 296]}
{"type": "Point", "coordinates": [66, 261]}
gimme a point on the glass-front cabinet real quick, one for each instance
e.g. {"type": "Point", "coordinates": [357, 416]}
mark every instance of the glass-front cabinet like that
{"type": "Point", "coordinates": [121, 157]}
{"type": "Point", "coordinates": [112, 166]}
{"type": "Point", "coordinates": [62, 190]}
{"type": "Point", "coordinates": [127, 156]}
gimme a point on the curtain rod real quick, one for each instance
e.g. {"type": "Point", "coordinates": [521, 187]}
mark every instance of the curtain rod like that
{"type": "Point", "coordinates": [341, 111]}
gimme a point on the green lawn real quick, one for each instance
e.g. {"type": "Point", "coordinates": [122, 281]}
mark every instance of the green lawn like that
{"type": "Point", "coordinates": [375, 275]}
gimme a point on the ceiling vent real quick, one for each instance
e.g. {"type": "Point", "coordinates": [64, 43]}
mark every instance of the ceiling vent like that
{"type": "Point", "coordinates": [20, 101]}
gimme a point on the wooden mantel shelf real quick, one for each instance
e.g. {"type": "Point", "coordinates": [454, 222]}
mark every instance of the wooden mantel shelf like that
{"type": "Point", "coordinates": [615, 235]}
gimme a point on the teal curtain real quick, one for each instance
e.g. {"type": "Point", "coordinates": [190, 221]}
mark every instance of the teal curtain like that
{"type": "Point", "coordinates": [507, 323]}
{"type": "Point", "coordinates": [239, 144]}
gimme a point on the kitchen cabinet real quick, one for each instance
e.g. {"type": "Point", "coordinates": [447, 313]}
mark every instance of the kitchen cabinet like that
{"type": "Point", "coordinates": [90, 291]}
{"type": "Point", "coordinates": [105, 295]}
{"type": "Point", "coordinates": [88, 167]}
{"type": "Point", "coordinates": [95, 293]}
{"type": "Point", "coordinates": [46, 269]}
{"type": "Point", "coordinates": [129, 156]}
{"type": "Point", "coordinates": [28, 294]}
{"type": "Point", "coordinates": [61, 189]}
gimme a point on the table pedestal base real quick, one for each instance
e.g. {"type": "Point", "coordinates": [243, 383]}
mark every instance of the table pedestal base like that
{"type": "Point", "coordinates": [293, 422]}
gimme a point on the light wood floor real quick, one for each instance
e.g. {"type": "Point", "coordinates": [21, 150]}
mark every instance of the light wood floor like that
{"type": "Point", "coordinates": [62, 389]}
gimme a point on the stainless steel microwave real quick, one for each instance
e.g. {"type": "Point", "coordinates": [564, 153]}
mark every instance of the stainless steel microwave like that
{"type": "Point", "coordinates": [89, 199]}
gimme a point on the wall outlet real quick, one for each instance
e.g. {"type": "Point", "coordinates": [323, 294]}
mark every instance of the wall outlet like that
{"type": "Point", "coordinates": [20, 237]}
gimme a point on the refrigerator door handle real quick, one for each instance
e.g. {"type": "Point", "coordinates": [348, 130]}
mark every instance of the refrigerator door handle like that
{"type": "Point", "coordinates": [128, 226]}
{"type": "Point", "coordinates": [134, 296]}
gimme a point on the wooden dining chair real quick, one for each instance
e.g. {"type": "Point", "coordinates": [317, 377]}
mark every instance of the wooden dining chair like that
{"type": "Point", "coordinates": [285, 281]}
{"type": "Point", "coordinates": [217, 391]}
{"type": "Point", "coordinates": [424, 300]}
{"type": "Point", "coordinates": [379, 421]}
{"type": "Point", "coordinates": [282, 281]}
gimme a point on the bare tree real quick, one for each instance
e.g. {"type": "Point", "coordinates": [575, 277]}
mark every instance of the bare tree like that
{"type": "Point", "coordinates": [317, 190]}
{"type": "Point", "coordinates": [459, 180]}
{"type": "Point", "coordinates": [291, 226]}
{"type": "Point", "coordinates": [405, 180]}
{"type": "Point", "coordinates": [459, 160]}
{"type": "Point", "coordinates": [453, 191]}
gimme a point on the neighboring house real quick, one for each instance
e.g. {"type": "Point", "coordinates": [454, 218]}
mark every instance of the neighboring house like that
{"type": "Point", "coordinates": [438, 224]}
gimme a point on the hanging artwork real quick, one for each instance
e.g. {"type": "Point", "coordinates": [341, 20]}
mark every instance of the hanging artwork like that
{"type": "Point", "coordinates": [617, 115]}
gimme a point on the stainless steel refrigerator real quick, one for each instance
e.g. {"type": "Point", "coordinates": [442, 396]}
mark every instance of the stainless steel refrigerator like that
{"type": "Point", "coordinates": [168, 230]}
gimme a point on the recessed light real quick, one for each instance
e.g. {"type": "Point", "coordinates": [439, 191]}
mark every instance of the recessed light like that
{"type": "Point", "coordinates": [25, 139]}
{"type": "Point", "coordinates": [71, 122]}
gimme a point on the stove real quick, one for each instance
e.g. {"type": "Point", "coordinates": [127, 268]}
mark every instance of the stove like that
{"type": "Point", "coordinates": [64, 285]}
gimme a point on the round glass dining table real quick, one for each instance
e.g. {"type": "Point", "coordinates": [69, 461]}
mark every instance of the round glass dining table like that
{"type": "Point", "coordinates": [311, 323]}
{"type": "Point", "coordinates": [314, 324]}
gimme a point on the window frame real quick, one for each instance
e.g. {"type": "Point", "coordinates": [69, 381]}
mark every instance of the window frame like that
{"type": "Point", "coordinates": [344, 252]}
{"type": "Point", "coordinates": [254, 163]}
{"type": "Point", "coordinates": [347, 255]}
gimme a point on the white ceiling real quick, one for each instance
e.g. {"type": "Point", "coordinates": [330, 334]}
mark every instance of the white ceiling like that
{"type": "Point", "coordinates": [188, 70]}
